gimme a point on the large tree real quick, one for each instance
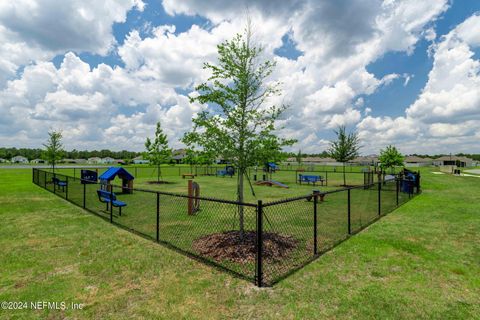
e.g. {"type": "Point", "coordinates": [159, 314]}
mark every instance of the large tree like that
{"type": "Point", "coordinates": [158, 151]}
{"type": "Point", "coordinates": [345, 148]}
{"type": "Point", "coordinates": [238, 127]}
{"type": "Point", "coordinates": [390, 157]}
{"type": "Point", "coordinates": [53, 148]}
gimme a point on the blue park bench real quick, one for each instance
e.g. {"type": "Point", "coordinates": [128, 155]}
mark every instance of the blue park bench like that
{"type": "Point", "coordinates": [59, 183]}
{"type": "Point", "coordinates": [107, 197]}
{"type": "Point", "coordinates": [310, 179]}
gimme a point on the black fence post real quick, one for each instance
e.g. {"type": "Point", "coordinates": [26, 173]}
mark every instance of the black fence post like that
{"type": "Point", "coordinates": [45, 179]}
{"type": "Point", "coordinates": [84, 194]}
{"type": "Point", "coordinates": [379, 198]}
{"type": "Point", "coordinates": [66, 188]}
{"type": "Point", "coordinates": [315, 223]}
{"type": "Point", "coordinates": [326, 178]}
{"type": "Point", "coordinates": [349, 212]}
{"type": "Point", "coordinates": [397, 189]}
{"type": "Point", "coordinates": [259, 261]}
{"type": "Point", "coordinates": [54, 184]}
{"type": "Point", "coordinates": [158, 216]}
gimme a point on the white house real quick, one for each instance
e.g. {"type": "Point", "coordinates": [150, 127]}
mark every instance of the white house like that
{"type": "Point", "coordinates": [140, 160]}
{"type": "Point", "coordinates": [414, 161]}
{"type": "Point", "coordinates": [19, 159]}
{"type": "Point", "coordinates": [94, 160]}
{"type": "Point", "coordinates": [108, 160]}
{"type": "Point", "coordinates": [38, 161]}
{"type": "Point", "coordinates": [453, 161]}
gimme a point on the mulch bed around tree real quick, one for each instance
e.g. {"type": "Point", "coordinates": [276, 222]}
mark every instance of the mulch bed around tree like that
{"type": "Point", "coordinates": [228, 246]}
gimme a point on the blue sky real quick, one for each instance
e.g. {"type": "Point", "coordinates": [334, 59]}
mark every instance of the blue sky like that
{"type": "Point", "coordinates": [397, 72]}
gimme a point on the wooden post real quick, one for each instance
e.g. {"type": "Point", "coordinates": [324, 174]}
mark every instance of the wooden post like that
{"type": "Point", "coordinates": [190, 195]}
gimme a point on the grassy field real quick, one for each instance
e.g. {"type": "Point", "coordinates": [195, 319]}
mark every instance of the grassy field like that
{"type": "Point", "coordinates": [422, 261]}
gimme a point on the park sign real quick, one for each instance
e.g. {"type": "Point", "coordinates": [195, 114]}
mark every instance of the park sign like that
{"type": "Point", "coordinates": [89, 176]}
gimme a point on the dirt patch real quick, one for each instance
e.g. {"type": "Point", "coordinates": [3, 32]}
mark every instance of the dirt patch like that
{"type": "Point", "coordinates": [229, 246]}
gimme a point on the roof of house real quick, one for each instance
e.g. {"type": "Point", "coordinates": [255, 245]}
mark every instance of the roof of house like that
{"type": "Point", "coordinates": [415, 159]}
{"type": "Point", "coordinates": [318, 159]}
{"type": "Point", "coordinates": [112, 172]}
{"type": "Point", "coordinates": [453, 158]}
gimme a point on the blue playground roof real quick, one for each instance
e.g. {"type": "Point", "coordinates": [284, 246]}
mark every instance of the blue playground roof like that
{"type": "Point", "coordinates": [272, 165]}
{"type": "Point", "coordinates": [112, 172]}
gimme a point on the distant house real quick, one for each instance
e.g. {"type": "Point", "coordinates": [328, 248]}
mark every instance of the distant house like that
{"type": "Point", "coordinates": [140, 160]}
{"type": "Point", "coordinates": [178, 155]}
{"type": "Point", "coordinates": [371, 160]}
{"type": "Point", "coordinates": [119, 161]}
{"type": "Point", "coordinates": [19, 159]}
{"type": "Point", "coordinates": [321, 161]}
{"type": "Point", "coordinates": [94, 160]}
{"type": "Point", "coordinates": [453, 161]}
{"type": "Point", "coordinates": [74, 161]}
{"type": "Point", "coordinates": [2, 160]}
{"type": "Point", "coordinates": [108, 160]}
{"type": "Point", "coordinates": [38, 161]}
{"type": "Point", "coordinates": [414, 161]}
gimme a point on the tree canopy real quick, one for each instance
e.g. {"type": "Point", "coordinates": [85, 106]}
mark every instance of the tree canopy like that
{"type": "Point", "coordinates": [390, 157]}
{"type": "Point", "coordinates": [345, 148]}
{"type": "Point", "coordinates": [158, 151]}
{"type": "Point", "coordinates": [53, 148]}
{"type": "Point", "coordinates": [238, 126]}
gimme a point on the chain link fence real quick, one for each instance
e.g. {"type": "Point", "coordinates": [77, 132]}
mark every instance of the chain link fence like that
{"type": "Point", "coordinates": [260, 242]}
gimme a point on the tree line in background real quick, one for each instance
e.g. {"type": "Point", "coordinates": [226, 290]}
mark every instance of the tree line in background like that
{"type": "Point", "coordinates": [31, 154]}
{"type": "Point", "coordinates": [192, 158]}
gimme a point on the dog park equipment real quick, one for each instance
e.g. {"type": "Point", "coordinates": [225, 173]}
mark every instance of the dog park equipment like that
{"type": "Point", "coordinates": [228, 171]}
{"type": "Point", "coordinates": [189, 175]}
{"type": "Point", "coordinates": [310, 179]}
{"type": "Point", "coordinates": [109, 197]}
{"type": "Point", "coordinates": [111, 173]}
{"type": "Point", "coordinates": [271, 183]}
{"type": "Point", "coordinates": [193, 197]}
{"type": "Point", "coordinates": [89, 176]}
{"type": "Point", "coordinates": [59, 183]}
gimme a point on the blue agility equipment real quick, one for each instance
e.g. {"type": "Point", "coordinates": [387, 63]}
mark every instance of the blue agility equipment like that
{"type": "Point", "coordinates": [110, 197]}
{"type": "Point", "coordinates": [310, 179]}
{"type": "Point", "coordinates": [278, 184]}
{"type": "Point", "coordinates": [59, 183]}
{"type": "Point", "coordinates": [112, 173]}
{"type": "Point", "coordinates": [271, 183]}
{"type": "Point", "coordinates": [228, 171]}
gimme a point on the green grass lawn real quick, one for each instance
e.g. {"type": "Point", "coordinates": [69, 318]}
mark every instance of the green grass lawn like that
{"type": "Point", "coordinates": [421, 261]}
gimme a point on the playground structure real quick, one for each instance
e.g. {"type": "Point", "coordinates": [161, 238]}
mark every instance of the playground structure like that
{"type": "Point", "coordinates": [108, 176]}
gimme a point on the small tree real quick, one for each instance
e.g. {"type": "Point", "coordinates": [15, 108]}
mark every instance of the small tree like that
{"type": "Point", "coordinates": [390, 158]}
{"type": "Point", "coordinates": [53, 148]}
{"type": "Point", "coordinates": [158, 151]}
{"type": "Point", "coordinates": [298, 157]}
{"type": "Point", "coordinates": [345, 148]}
{"type": "Point", "coordinates": [240, 129]}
